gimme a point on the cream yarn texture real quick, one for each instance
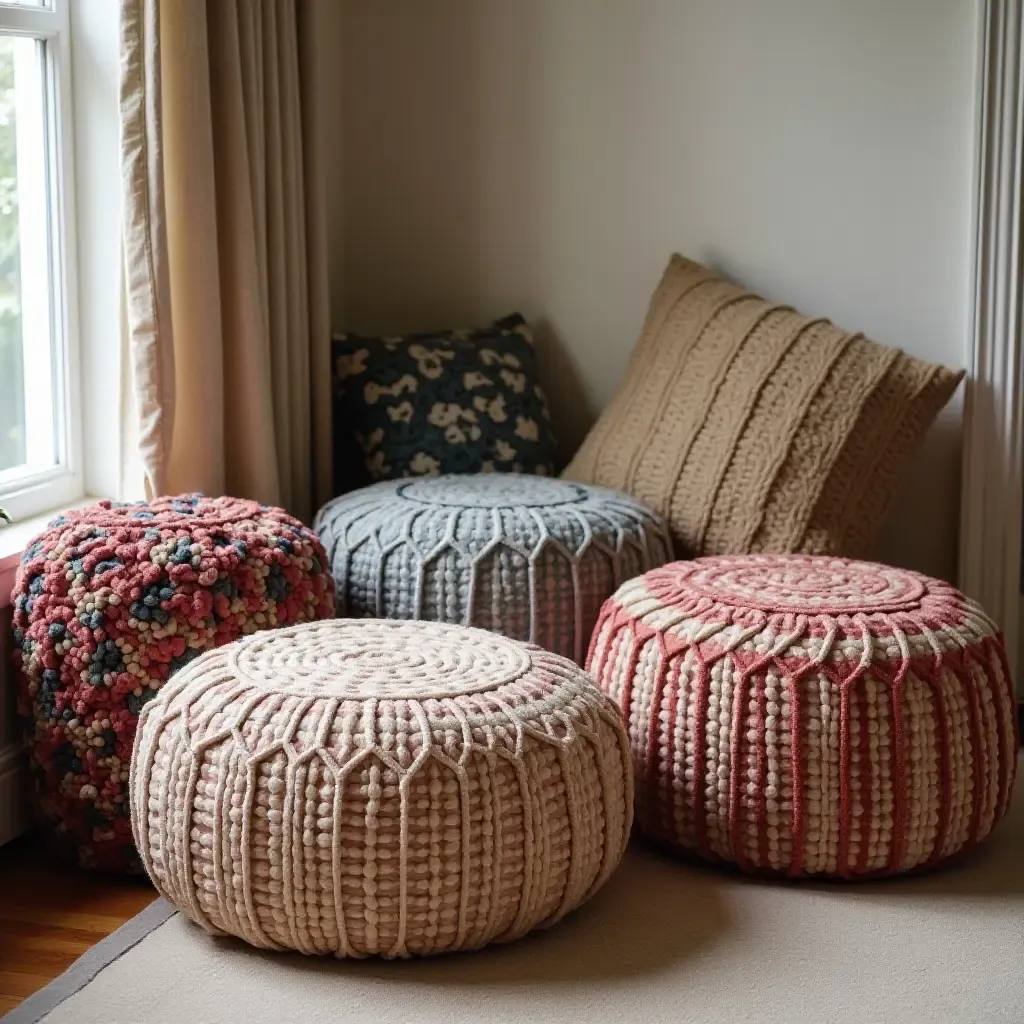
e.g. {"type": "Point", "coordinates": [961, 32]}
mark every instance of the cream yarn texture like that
{"type": "Point", "coordinates": [366, 787]}
{"type": "Point", "coordinates": [526, 556]}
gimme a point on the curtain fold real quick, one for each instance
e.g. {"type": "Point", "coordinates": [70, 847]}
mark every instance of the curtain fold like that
{"type": "Point", "coordinates": [225, 248]}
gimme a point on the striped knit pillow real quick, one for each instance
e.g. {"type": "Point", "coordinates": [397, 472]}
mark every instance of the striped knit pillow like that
{"type": "Point", "coordinates": [752, 428]}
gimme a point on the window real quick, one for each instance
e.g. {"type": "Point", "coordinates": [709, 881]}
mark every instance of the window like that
{"type": "Point", "coordinates": [39, 450]}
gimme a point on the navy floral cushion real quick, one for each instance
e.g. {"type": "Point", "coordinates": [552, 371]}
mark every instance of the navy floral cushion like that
{"type": "Point", "coordinates": [442, 402]}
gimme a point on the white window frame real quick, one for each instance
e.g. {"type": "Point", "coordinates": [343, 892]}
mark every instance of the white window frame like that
{"type": "Point", "coordinates": [63, 483]}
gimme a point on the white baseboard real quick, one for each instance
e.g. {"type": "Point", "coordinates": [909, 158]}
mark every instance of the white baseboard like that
{"type": "Point", "coordinates": [14, 791]}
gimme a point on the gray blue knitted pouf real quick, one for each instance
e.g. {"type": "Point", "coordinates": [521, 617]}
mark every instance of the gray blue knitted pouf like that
{"type": "Point", "coordinates": [527, 556]}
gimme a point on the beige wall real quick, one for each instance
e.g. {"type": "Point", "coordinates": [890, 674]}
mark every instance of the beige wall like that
{"type": "Point", "coordinates": [548, 155]}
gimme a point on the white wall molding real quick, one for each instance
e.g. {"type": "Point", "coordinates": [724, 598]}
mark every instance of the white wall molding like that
{"type": "Point", "coordinates": [14, 791]}
{"type": "Point", "coordinates": [14, 782]}
{"type": "Point", "coordinates": [990, 530]}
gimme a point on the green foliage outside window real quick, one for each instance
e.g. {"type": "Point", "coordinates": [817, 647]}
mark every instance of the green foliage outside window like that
{"type": "Point", "coordinates": [12, 390]}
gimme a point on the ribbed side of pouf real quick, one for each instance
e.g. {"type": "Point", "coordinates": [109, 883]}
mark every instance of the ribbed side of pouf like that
{"type": "Point", "coordinates": [363, 787]}
{"type": "Point", "coordinates": [811, 716]}
{"type": "Point", "coordinates": [525, 556]}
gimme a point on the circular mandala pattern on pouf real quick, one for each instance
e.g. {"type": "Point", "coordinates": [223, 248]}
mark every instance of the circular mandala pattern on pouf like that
{"type": "Point", "coordinates": [363, 787]}
{"type": "Point", "coordinates": [109, 603]}
{"type": "Point", "coordinates": [809, 586]}
{"type": "Point", "coordinates": [810, 715]}
{"type": "Point", "coordinates": [493, 490]}
{"type": "Point", "coordinates": [408, 662]}
{"type": "Point", "coordinates": [526, 556]}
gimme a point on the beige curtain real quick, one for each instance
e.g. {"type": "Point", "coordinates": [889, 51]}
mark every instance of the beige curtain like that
{"type": "Point", "coordinates": [225, 249]}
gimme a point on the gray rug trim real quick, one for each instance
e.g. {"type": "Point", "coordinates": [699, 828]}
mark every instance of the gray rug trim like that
{"type": "Point", "coordinates": [90, 963]}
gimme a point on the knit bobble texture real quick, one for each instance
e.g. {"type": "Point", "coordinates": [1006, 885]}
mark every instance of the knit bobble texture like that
{"type": "Point", "coordinates": [810, 715]}
{"type": "Point", "coordinates": [109, 603]}
{"type": "Point", "coordinates": [362, 787]}
{"type": "Point", "coordinates": [526, 556]}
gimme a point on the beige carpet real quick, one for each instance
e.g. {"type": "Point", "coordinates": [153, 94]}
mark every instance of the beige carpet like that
{"type": "Point", "coordinates": [663, 941]}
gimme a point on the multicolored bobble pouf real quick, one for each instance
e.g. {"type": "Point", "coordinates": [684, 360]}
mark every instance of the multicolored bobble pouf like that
{"type": "Point", "coordinates": [810, 715]}
{"type": "Point", "coordinates": [527, 556]}
{"type": "Point", "coordinates": [110, 601]}
{"type": "Point", "coordinates": [364, 787]}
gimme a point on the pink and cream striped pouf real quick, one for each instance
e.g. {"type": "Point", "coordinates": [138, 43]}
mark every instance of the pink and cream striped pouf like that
{"type": "Point", "coordinates": [809, 715]}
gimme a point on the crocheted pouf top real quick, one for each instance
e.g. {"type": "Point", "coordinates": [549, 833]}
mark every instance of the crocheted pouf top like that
{"type": "Point", "coordinates": [109, 602]}
{"type": "Point", "coordinates": [371, 787]}
{"type": "Point", "coordinates": [810, 715]}
{"type": "Point", "coordinates": [526, 556]}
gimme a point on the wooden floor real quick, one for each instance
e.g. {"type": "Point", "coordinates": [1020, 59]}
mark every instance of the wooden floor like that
{"type": "Point", "coordinates": [51, 913]}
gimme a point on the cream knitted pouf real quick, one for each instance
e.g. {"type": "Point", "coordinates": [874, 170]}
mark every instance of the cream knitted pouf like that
{"type": "Point", "coordinates": [526, 556]}
{"type": "Point", "coordinates": [810, 715]}
{"type": "Point", "coordinates": [361, 787]}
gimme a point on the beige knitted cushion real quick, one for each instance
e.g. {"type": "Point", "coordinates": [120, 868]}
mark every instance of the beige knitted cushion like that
{"type": "Point", "coordinates": [364, 786]}
{"type": "Point", "coordinates": [752, 428]}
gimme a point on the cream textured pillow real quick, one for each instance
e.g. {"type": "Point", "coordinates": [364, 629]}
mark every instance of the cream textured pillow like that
{"type": "Point", "coordinates": [752, 428]}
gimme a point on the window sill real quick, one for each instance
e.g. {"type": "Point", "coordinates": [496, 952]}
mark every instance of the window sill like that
{"type": "Point", "coordinates": [15, 538]}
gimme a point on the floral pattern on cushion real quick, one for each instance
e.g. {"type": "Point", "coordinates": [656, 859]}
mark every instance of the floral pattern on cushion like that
{"type": "Point", "coordinates": [464, 401]}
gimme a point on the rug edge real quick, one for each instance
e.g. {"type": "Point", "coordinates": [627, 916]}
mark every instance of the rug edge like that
{"type": "Point", "coordinates": [90, 963]}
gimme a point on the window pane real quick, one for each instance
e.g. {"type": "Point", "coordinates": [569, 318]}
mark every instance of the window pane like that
{"type": "Point", "coordinates": [27, 380]}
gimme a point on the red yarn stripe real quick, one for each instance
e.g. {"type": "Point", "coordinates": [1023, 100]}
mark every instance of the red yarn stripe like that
{"type": "Point", "coordinates": [655, 781]}
{"type": "Point", "coordinates": [866, 803]}
{"type": "Point", "coordinates": [845, 809]}
{"type": "Point", "coordinates": [994, 754]}
{"type": "Point", "coordinates": [738, 774]}
{"type": "Point", "coordinates": [900, 782]}
{"type": "Point", "coordinates": [796, 771]}
{"type": "Point", "coordinates": [979, 756]}
{"type": "Point", "coordinates": [933, 678]}
{"type": "Point", "coordinates": [674, 673]}
{"type": "Point", "coordinates": [700, 819]}
{"type": "Point", "coordinates": [651, 752]}
{"type": "Point", "coordinates": [630, 676]}
{"type": "Point", "coordinates": [737, 769]}
{"type": "Point", "coordinates": [898, 764]}
{"type": "Point", "coordinates": [1008, 758]}
{"type": "Point", "coordinates": [762, 771]}
{"type": "Point", "coordinates": [643, 793]}
{"type": "Point", "coordinates": [989, 666]}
